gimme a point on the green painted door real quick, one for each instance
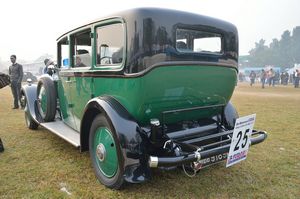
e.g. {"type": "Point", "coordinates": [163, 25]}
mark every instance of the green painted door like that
{"type": "Point", "coordinates": [65, 98]}
{"type": "Point", "coordinates": [80, 93]}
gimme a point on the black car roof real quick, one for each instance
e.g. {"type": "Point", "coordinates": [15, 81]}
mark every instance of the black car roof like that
{"type": "Point", "coordinates": [162, 17]}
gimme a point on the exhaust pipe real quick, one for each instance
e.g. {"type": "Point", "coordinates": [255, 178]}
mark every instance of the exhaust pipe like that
{"type": "Point", "coordinates": [173, 161]}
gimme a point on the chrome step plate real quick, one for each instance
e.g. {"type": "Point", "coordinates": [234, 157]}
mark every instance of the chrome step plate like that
{"type": "Point", "coordinates": [64, 131]}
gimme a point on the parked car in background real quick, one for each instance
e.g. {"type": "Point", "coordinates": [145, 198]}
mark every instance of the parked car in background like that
{"type": "Point", "coordinates": [28, 75]}
{"type": "Point", "coordinates": [141, 89]}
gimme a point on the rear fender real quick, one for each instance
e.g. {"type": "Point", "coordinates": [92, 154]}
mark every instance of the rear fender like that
{"type": "Point", "coordinates": [128, 136]}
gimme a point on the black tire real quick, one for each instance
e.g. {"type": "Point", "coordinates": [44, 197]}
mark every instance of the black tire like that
{"type": "Point", "coordinates": [230, 115]}
{"type": "Point", "coordinates": [46, 99]}
{"type": "Point", "coordinates": [30, 123]}
{"type": "Point", "coordinates": [116, 180]}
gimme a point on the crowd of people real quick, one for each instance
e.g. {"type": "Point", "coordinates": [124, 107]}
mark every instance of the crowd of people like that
{"type": "Point", "coordinates": [272, 78]}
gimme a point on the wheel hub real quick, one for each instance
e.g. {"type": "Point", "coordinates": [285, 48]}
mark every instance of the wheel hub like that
{"type": "Point", "coordinates": [101, 152]}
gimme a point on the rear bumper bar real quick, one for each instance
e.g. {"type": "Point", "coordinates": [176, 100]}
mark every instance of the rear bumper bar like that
{"type": "Point", "coordinates": [154, 161]}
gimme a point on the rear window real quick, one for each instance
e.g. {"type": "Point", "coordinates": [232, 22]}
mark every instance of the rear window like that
{"type": "Point", "coordinates": [196, 41]}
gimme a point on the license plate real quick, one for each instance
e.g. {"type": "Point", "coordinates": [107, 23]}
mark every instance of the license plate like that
{"type": "Point", "coordinates": [211, 160]}
{"type": "Point", "coordinates": [240, 139]}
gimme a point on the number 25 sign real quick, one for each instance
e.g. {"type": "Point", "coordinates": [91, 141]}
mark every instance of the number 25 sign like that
{"type": "Point", "coordinates": [240, 139]}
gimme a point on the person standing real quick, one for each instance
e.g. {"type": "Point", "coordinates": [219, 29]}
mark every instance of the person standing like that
{"type": "Point", "coordinates": [263, 76]}
{"type": "Point", "coordinates": [252, 77]}
{"type": "Point", "coordinates": [286, 78]}
{"type": "Point", "coordinates": [271, 77]}
{"type": "Point", "coordinates": [297, 78]}
{"type": "Point", "coordinates": [46, 70]}
{"type": "Point", "coordinates": [16, 76]}
{"type": "Point", "coordinates": [282, 78]}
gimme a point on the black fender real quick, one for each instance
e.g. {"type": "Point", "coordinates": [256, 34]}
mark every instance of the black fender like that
{"type": "Point", "coordinates": [30, 92]}
{"type": "Point", "coordinates": [230, 115]}
{"type": "Point", "coordinates": [128, 133]}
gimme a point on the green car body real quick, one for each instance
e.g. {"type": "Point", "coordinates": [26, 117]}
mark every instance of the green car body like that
{"type": "Point", "coordinates": [159, 90]}
{"type": "Point", "coordinates": [142, 88]}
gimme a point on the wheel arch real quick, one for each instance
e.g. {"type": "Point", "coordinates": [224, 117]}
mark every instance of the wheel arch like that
{"type": "Point", "coordinates": [127, 132]}
{"type": "Point", "coordinates": [91, 111]}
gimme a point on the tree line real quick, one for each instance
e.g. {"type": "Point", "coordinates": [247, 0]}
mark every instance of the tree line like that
{"type": "Point", "coordinates": [283, 53]}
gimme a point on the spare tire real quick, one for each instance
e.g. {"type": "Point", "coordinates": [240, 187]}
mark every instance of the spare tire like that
{"type": "Point", "coordinates": [230, 115]}
{"type": "Point", "coordinates": [46, 99]}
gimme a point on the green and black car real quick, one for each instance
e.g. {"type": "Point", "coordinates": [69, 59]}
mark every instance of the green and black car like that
{"type": "Point", "coordinates": [142, 88]}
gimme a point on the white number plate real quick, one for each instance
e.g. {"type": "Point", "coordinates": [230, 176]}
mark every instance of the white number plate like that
{"type": "Point", "coordinates": [240, 139]}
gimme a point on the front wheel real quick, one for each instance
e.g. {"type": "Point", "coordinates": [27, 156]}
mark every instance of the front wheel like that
{"type": "Point", "coordinates": [30, 123]}
{"type": "Point", "coordinates": [46, 99]}
{"type": "Point", "coordinates": [105, 153]}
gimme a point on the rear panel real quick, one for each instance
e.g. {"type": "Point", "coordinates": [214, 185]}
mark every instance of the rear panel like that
{"type": "Point", "coordinates": [169, 88]}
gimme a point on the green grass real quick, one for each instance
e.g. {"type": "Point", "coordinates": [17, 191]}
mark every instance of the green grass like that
{"type": "Point", "coordinates": [37, 164]}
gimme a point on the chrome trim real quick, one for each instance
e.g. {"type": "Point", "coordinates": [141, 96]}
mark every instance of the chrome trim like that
{"type": "Point", "coordinates": [101, 152]}
{"type": "Point", "coordinates": [198, 155]}
{"type": "Point", "coordinates": [153, 161]}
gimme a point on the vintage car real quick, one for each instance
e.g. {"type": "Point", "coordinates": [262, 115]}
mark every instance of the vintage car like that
{"type": "Point", "coordinates": [140, 89]}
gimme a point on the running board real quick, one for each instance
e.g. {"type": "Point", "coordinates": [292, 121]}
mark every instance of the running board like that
{"type": "Point", "coordinates": [62, 130]}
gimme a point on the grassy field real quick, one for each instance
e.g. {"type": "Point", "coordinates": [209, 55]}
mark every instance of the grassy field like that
{"type": "Point", "coordinates": [38, 164]}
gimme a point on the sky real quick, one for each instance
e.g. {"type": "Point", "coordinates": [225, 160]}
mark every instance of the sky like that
{"type": "Point", "coordinates": [30, 28]}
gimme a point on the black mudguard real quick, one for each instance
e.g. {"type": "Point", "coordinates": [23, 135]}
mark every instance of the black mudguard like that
{"type": "Point", "coordinates": [129, 136]}
{"type": "Point", "coordinates": [30, 92]}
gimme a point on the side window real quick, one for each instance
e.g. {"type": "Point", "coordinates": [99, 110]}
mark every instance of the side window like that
{"type": "Point", "coordinates": [110, 45]}
{"type": "Point", "coordinates": [63, 53]}
{"type": "Point", "coordinates": [81, 48]}
{"type": "Point", "coordinates": [196, 41]}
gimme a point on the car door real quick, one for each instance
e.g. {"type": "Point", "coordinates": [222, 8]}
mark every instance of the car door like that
{"type": "Point", "coordinates": [80, 83]}
{"type": "Point", "coordinates": [64, 81]}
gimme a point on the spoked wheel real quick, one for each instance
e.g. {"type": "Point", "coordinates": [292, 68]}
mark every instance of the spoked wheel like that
{"type": "Point", "coordinates": [105, 153]}
{"type": "Point", "coordinates": [46, 99]}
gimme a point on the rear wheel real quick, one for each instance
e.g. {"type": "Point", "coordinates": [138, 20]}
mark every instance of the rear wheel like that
{"type": "Point", "coordinates": [46, 99]}
{"type": "Point", "coordinates": [105, 153]}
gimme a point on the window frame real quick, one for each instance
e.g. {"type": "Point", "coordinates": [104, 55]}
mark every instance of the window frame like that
{"type": "Point", "coordinates": [59, 51]}
{"type": "Point", "coordinates": [106, 23]}
{"type": "Point", "coordinates": [221, 36]}
{"type": "Point", "coordinates": [72, 44]}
